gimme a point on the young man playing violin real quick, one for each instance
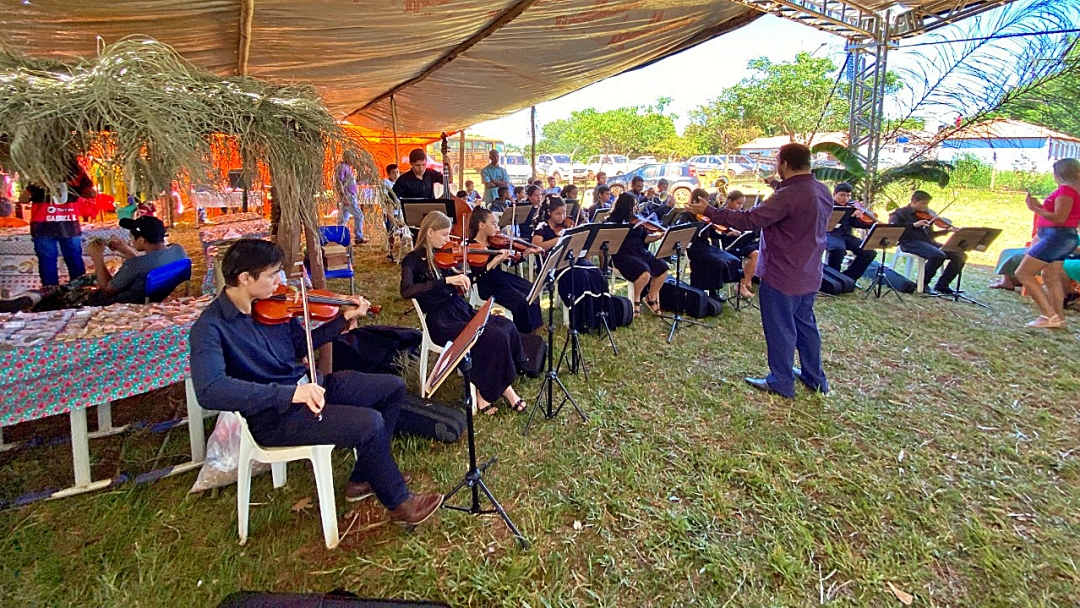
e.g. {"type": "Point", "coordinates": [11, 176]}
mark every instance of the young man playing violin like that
{"type": "Point", "coordinates": [254, 369]}
{"type": "Point", "coordinates": [840, 239]}
{"type": "Point", "coordinates": [919, 240]}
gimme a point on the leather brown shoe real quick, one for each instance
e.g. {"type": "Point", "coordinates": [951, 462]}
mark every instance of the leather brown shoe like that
{"type": "Point", "coordinates": [356, 491]}
{"type": "Point", "coordinates": [416, 509]}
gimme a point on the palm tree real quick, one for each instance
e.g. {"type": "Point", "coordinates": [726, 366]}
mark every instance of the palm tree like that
{"type": "Point", "coordinates": [910, 174]}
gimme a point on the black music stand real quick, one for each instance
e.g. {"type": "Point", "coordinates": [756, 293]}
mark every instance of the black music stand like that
{"type": "Point", "coordinates": [963, 241]}
{"type": "Point", "coordinates": [514, 216]}
{"type": "Point", "coordinates": [413, 210]}
{"type": "Point", "coordinates": [606, 241]}
{"type": "Point", "coordinates": [879, 238]}
{"type": "Point", "coordinates": [456, 356]}
{"type": "Point", "coordinates": [839, 213]}
{"type": "Point", "coordinates": [577, 240]}
{"type": "Point", "coordinates": [740, 301]}
{"type": "Point", "coordinates": [545, 280]}
{"type": "Point", "coordinates": [674, 243]}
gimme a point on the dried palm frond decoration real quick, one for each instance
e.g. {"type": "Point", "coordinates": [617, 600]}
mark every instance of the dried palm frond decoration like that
{"type": "Point", "coordinates": [156, 116]}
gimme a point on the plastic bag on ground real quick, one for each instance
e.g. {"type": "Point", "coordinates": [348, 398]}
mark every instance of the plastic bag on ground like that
{"type": "Point", "coordinates": [223, 456]}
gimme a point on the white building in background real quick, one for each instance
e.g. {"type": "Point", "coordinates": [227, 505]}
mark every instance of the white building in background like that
{"type": "Point", "coordinates": [1011, 145]}
{"type": "Point", "coordinates": [767, 147]}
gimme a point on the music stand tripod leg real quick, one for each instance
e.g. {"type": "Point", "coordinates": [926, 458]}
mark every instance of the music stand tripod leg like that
{"type": "Point", "coordinates": [474, 477]}
{"type": "Point", "coordinates": [677, 318]}
{"type": "Point", "coordinates": [551, 378]}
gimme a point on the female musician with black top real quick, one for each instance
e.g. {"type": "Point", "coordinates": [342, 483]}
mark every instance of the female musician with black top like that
{"type": "Point", "coordinates": [747, 250]}
{"type": "Point", "coordinates": [633, 259]}
{"type": "Point", "coordinates": [491, 280]}
{"type": "Point", "coordinates": [497, 355]}
{"type": "Point", "coordinates": [583, 278]}
{"type": "Point", "coordinates": [710, 266]}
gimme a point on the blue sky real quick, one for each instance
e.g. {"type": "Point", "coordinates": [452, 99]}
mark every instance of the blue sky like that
{"type": "Point", "coordinates": [698, 75]}
{"type": "Point", "coordinates": [690, 78]}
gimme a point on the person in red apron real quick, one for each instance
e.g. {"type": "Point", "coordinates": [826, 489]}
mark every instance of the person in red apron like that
{"type": "Point", "coordinates": [54, 222]}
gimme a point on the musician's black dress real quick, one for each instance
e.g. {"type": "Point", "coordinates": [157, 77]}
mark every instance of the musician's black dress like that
{"type": "Point", "coordinates": [509, 291]}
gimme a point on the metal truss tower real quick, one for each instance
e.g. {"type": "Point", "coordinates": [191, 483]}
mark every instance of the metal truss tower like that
{"type": "Point", "coordinates": [871, 28]}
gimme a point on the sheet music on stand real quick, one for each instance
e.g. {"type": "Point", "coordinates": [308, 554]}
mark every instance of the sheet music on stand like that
{"type": "Point", "coordinates": [413, 210]}
{"type": "Point", "coordinates": [963, 241]}
{"type": "Point", "coordinates": [558, 259]}
{"type": "Point", "coordinates": [455, 351]}
{"type": "Point", "coordinates": [514, 216]}
{"type": "Point", "coordinates": [741, 240]}
{"type": "Point", "coordinates": [839, 213]}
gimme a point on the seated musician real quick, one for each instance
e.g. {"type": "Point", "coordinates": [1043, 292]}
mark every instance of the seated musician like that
{"type": "Point", "coordinates": [633, 259]}
{"type": "Point", "coordinates": [509, 290]}
{"type": "Point", "coordinates": [503, 201]}
{"type": "Point", "coordinates": [662, 204]}
{"type": "Point", "coordinates": [710, 266]}
{"type": "Point", "coordinates": [127, 285]}
{"type": "Point", "coordinates": [603, 201]}
{"type": "Point", "coordinates": [841, 240]}
{"type": "Point", "coordinates": [534, 198]}
{"type": "Point", "coordinates": [919, 240]}
{"type": "Point", "coordinates": [418, 182]}
{"type": "Point", "coordinates": [239, 364]}
{"type": "Point", "coordinates": [581, 280]}
{"type": "Point", "coordinates": [498, 356]}
{"type": "Point", "coordinates": [747, 249]}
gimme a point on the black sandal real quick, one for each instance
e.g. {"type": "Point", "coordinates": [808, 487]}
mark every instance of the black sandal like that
{"type": "Point", "coordinates": [490, 409]}
{"type": "Point", "coordinates": [520, 406]}
{"type": "Point", "coordinates": [654, 305]}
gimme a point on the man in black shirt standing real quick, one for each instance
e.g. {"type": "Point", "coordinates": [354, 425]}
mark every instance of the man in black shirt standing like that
{"type": "Point", "coordinates": [918, 240]}
{"type": "Point", "coordinates": [418, 182]}
{"type": "Point", "coordinates": [840, 240]}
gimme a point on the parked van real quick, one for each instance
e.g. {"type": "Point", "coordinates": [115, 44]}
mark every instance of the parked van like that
{"type": "Point", "coordinates": [517, 167]}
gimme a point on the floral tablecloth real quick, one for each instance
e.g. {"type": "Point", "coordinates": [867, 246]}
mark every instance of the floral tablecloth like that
{"type": "Point", "coordinates": [19, 263]}
{"type": "Point", "coordinates": [54, 362]}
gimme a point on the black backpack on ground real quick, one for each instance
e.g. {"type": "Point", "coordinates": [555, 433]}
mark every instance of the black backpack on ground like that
{"type": "Point", "coordinates": [430, 420]}
{"type": "Point", "coordinates": [892, 278]}
{"type": "Point", "coordinates": [374, 348]}
{"type": "Point", "coordinates": [713, 306]}
{"type": "Point", "coordinates": [834, 282]}
{"type": "Point", "coordinates": [694, 301]}
{"type": "Point", "coordinates": [535, 350]}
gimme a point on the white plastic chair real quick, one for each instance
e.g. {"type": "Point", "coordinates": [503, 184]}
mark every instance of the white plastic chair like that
{"type": "Point", "coordinates": [920, 267]}
{"type": "Point", "coordinates": [319, 455]}
{"type": "Point", "coordinates": [426, 346]}
{"type": "Point", "coordinates": [475, 302]}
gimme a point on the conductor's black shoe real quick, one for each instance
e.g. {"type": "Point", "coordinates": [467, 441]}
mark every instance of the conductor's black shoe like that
{"type": "Point", "coordinates": [944, 289]}
{"type": "Point", "coordinates": [929, 291]}
{"type": "Point", "coordinates": [798, 374]}
{"type": "Point", "coordinates": [763, 385]}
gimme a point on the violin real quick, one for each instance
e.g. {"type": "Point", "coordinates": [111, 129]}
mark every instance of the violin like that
{"type": "Point", "coordinates": [935, 220]}
{"type": "Point", "coordinates": [501, 241]}
{"type": "Point", "coordinates": [563, 225]}
{"type": "Point", "coordinates": [448, 257]}
{"type": "Point", "coordinates": [649, 226]}
{"type": "Point", "coordinates": [864, 214]}
{"type": "Point", "coordinates": [283, 306]}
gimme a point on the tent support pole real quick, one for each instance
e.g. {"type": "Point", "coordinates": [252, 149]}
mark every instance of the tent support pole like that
{"type": "Point", "coordinates": [461, 161]}
{"type": "Point", "coordinates": [532, 131]}
{"type": "Point", "coordinates": [247, 11]}
{"type": "Point", "coordinates": [393, 121]}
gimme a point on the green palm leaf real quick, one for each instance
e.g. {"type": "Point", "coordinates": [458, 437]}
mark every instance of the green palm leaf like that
{"type": "Point", "coordinates": [934, 171]}
{"type": "Point", "coordinates": [845, 155]}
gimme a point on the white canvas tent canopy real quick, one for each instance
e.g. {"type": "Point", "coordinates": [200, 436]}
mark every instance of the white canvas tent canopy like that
{"type": "Point", "coordinates": [448, 63]}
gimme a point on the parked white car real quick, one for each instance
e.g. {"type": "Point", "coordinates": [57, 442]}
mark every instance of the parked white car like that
{"type": "Point", "coordinates": [559, 166]}
{"type": "Point", "coordinates": [517, 167]}
{"type": "Point", "coordinates": [641, 161]}
{"type": "Point", "coordinates": [612, 164]}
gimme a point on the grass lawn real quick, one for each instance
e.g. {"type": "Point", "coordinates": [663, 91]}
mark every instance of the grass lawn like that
{"type": "Point", "coordinates": [944, 464]}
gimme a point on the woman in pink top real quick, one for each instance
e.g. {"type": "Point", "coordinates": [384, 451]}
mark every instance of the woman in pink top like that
{"type": "Point", "coordinates": [1055, 222]}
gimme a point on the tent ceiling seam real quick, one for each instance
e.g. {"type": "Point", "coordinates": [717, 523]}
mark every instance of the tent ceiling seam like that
{"type": "Point", "coordinates": [501, 21]}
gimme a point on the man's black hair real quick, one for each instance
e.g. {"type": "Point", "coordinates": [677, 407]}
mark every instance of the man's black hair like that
{"type": "Point", "coordinates": [842, 187]}
{"type": "Point", "coordinates": [797, 156]}
{"type": "Point", "coordinates": [253, 256]}
{"type": "Point", "coordinates": [417, 155]}
{"type": "Point", "coordinates": [391, 167]}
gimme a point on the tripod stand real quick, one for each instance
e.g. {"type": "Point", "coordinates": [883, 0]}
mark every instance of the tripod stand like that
{"type": "Point", "coordinates": [674, 241]}
{"type": "Point", "coordinates": [546, 281]}
{"type": "Point", "coordinates": [881, 237]}
{"type": "Point", "coordinates": [963, 241]}
{"type": "Point", "coordinates": [457, 355]}
{"type": "Point", "coordinates": [571, 351]}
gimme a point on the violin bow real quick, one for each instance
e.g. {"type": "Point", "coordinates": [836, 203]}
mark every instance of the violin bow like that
{"type": "Point", "coordinates": [312, 375]}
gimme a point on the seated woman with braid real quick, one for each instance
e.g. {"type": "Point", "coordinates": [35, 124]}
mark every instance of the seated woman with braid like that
{"type": "Point", "coordinates": [710, 266]}
{"type": "Point", "coordinates": [634, 260]}
{"type": "Point", "coordinates": [498, 355]}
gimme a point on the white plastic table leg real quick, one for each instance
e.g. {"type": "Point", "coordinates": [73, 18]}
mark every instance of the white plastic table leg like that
{"type": "Point", "coordinates": [104, 417]}
{"type": "Point", "coordinates": [80, 446]}
{"type": "Point", "coordinates": [196, 434]}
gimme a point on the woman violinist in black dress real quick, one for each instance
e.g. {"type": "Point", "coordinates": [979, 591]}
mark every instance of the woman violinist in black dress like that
{"type": "Point", "coordinates": [497, 355]}
{"type": "Point", "coordinates": [747, 250]}
{"type": "Point", "coordinates": [581, 280]}
{"type": "Point", "coordinates": [509, 291]}
{"type": "Point", "coordinates": [633, 259]}
{"type": "Point", "coordinates": [710, 266]}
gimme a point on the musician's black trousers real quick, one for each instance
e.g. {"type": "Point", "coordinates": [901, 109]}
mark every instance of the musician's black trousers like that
{"type": "Point", "coordinates": [361, 412]}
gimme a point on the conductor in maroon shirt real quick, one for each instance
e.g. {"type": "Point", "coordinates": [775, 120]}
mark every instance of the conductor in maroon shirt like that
{"type": "Point", "coordinates": [793, 223]}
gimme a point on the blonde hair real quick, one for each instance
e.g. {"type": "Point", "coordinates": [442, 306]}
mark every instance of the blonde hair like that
{"type": "Point", "coordinates": [436, 220]}
{"type": "Point", "coordinates": [1068, 169]}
